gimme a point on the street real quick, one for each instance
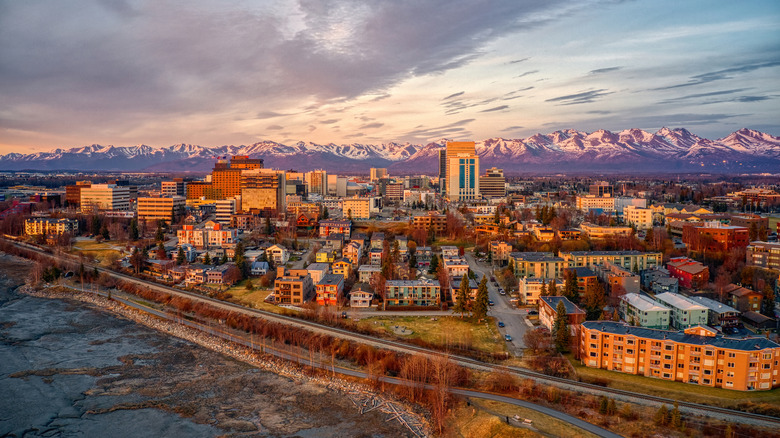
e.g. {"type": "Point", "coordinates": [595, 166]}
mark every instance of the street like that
{"type": "Point", "coordinates": [513, 318]}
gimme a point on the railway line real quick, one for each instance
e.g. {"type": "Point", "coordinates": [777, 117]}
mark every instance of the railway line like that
{"type": "Point", "coordinates": [725, 414]}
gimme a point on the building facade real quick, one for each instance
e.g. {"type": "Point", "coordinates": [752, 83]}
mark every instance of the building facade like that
{"type": "Point", "coordinates": [641, 311]}
{"type": "Point", "coordinates": [105, 197]}
{"type": "Point", "coordinates": [412, 293]}
{"type": "Point", "coordinates": [685, 312]}
{"type": "Point", "coordinates": [155, 209]}
{"type": "Point", "coordinates": [45, 226]}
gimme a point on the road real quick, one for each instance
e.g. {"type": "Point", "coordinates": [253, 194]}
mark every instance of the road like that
{"type": "Point", "coordinates": [566, 384]}
{"type": "Point", "coordinates": [515, 322]}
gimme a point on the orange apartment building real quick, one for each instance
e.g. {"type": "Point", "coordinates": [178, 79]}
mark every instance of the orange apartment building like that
{"type": "Point", "coordinates": [330, 290]}
{"type": "Point", "coordinates": [699, 355]}
{"type": "Point", "coordinates": [431, 221]}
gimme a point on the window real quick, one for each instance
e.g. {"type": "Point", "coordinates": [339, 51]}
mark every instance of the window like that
{"type": "Point", "coordinates": [732, 355]}
{"type": "Point", "coordinates": [730, 365]}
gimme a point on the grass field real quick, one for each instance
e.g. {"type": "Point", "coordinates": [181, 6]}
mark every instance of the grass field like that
{"type": "Point", "coordinates": [443, 331]}
{"type": "Point", "coordinates": [254, 298]}
{"type": "Point", "coordinates": [487, 419]}
{"type": "Point", "coordinates": [105, 252]}
{"type": "Point", "coordinates": [676, 390]}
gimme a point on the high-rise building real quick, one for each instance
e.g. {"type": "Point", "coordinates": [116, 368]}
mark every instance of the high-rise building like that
{"type": "Point", "coordinates": [105, 197]}
{"type": "Point", "coordinates": [317, 182]}
{"type": "Point", "coordinates": [177, 187]}
{"type": "Point", "coordinates": [378, 173]}
{"type": "Point", "coordinates": [493, 183]}
{"type": "Point", "coordinates": [462, 171]}
{"type": "Point", "coordinates": [73, 193]}
{"type": "Point", "coordinates": [225, 209]}
{"type": "Point", "coordinates": [263, 190]}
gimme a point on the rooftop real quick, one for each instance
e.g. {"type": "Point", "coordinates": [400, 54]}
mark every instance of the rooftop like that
{"type": "Point", "coordinates": [713, 305]}
{"type": "Point", "coordinates": [678, 301]}
{"type": "Point", "coordinates": [535, 256]}
{"type": "Point", "coordinates": [606, 253]}
{"type": "Point", "coordinates": [571, 308]}
{"type": "Point", "coordinates": [643, 303]}
{"type": "Point", "coordinates": [619, 328]}
{"type": "Point", "coordinates": [318, 267]}
{"type": "Point", "coordinates": [583, 271]}
{"type": "Point", "coordinates": [331, 279]}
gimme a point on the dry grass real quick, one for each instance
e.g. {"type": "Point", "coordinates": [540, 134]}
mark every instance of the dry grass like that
{"type": "Point", "coordinates": [443, 331]}
{"type": "Point", "coordinates": [104, 252]}
{"type": "Point", "coordinates": [254, 298]}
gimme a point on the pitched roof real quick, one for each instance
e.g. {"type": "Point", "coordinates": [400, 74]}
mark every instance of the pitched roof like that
{"type": "Point", "coordinates": [553, 301]}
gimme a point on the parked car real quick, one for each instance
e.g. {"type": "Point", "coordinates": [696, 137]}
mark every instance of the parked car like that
{"type": "Point", "coordinates": [491, 303]}
{"type": "Point", "coordinates": [507, 338]}
{"type": "Point", "coordinates": [501, 291]}
{"type": "Point", "coordinates": [500, 323]}
{"type": "Point", "coordinates": [533, 312]}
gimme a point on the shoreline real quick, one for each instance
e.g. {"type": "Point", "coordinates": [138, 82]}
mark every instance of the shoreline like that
{"type": "Point", "coordinates": [359, 394]}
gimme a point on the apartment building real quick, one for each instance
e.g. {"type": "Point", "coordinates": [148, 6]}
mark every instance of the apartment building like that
{"type": "Point", "coordinates": [698, 355]}
{"type": "Point", "coordinates": [331, 226]}
{"type": "Point", "coordinates": [353, 251]}
{"type": "Point", "coordinates": [538, 265]}
{"type": "Point", "coordinates": [412, 293]}
{"type": "Point", "coordinates": [548, 313]}
{"type": "Point", "coordinates": [685, 312]}
{"type": "Point", "coordinates": [212, 235]}
{"type": "Point", "coordinates": [342, 267]}
{"type": "Point", "coordinates": [589, 202]}
{"type": "Point", "coordinates": [602, 232]}
{"type": "Point", "coordinates": [105, 197]}
{"type": "Point", "coordinates": [633, 260]}
{"type": "Point", "coordinates": [455, 266]}
{"type": "Point", "coordinates": [586, 280]}
{"type": "Point", "coordinates": [530, 289]}
{"type": "Point", "coordinates": [356, 208]}
{"type": "Point", "coordinates": [764, 254]}
{"type": "Point", "coordinates": [46, 226]}
{"type": "Point", "coordinates": [366, 273]}
{"type": "Point", "coordinates": [641, 311]}
{"type": "Point", "coordinates": [500, 251]}
{"type": "Point", "coordinates": [293, 286]}
{"type": "Point", "coordinates": [641, 218]}
{"type": "Point", "coordinates": [330, 290]}
{"type": "Point", "coordinates": [433, 221]}
{"type": "Point", "coordinates": [155, 209]}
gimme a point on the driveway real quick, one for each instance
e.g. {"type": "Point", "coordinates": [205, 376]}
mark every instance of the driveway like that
{"type": "Point", "coordinates": [504, 310]}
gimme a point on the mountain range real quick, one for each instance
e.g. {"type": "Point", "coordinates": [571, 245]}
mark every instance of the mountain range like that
{"type": "Point", "coordinates": [632, 150]}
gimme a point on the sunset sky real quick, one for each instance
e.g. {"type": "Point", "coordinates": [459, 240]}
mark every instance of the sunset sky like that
{"type": "Point", "coordinates": [215, 73]}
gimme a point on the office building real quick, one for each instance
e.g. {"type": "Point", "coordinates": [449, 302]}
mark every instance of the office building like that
{"type": "Point", "coordinates": [493, 183]}
{"type": "Point", "coordinates": [263, 191]}
{"type": "Point", "coordinates": [601, 189]}
{"type": "Point", "coordinates": [156, 209]}
{"type": "Point", "coordinates": [177, 187]}
{"type": "Point", "coordinates": [105, 197]}
{"type": "Point", "coordinates": [462, 171]}
{"type": "Point", "coordinates": [378, 173]}
{"type": "Point", "coordinates": [764, 255]}
{"type": "Point", "coordinates": [317, 182]}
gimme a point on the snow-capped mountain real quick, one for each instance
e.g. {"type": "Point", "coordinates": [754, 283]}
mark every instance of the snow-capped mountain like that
{"type": "Point", "coordinates": [670, 150]}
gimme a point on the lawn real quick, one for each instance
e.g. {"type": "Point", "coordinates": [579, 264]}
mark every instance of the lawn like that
{"type": "Point", "coordinates": [254, 298]}
{"type": "Point", "coordinates": [487, 419]}
{"type": "Point", "coordinates": [675, 390]}
{"type": "Point", "coordinates": [105, 252]}
{"type": "Point", "coordinates": [442, 330]}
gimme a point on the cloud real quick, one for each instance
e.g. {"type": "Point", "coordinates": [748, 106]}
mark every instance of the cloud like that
{"type": "Point", "coordinates": [498, 108]}
{"type": "Point", "coordinates": [329, 121]}
{"type": "Point", "coordinates": [718, 75]}
{"type": "Point", "coordinates": [579, 98]}
{"type": "Point", "coordinates": [700, 95]}
{"type": "Point", "coordinates": [528, 73]}
{"type": "Point", "coordinates": [516, 61]}
{"type": "Point", "coordinates": [372, 125]}
{"type": "Point", "coordinates": [512, 128]}
{"type": "Point", "coordinates": [421, 133]}
{"type": "Point", "coordinates": [269, 115]}
{"type": "Point", "coordinates": [460, 93]}
{"type": "Point", "coordinates": [275, 127]}
{"type": "Point", "coordinates": [604, 70]}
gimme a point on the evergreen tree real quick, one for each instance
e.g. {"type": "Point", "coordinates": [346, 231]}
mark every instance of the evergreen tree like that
{"type": "Point", "coordinates": [240, 259]}
{"type": "Point", "coordinates": [434, 265]}
{"type": "Point", "coordinates": [561, 328]}
{"type": "Point", "coordinates": [180, 257]}
{"type": "Point", "coordinates": [553, 289]}
{"type": "Point", "coordinates": [603, 405]}
{"type": "Point", "coordinates": [662, 416]}
{"type": "Point", "coordinates": [224, 258]}
{"type": "Point", "coordinates": [675, 418]}
{"type": "Point", "coordinates": [159, 235]}
{"type": "Point", "coordinates": [594, 302]}
{"type": "Point", "coordinates": [249, 286]}
{"type": "Point", "coordinates": [161, 254]}
{"type": "Point", "coordinates": [543, 288]}
{"type": "Point", "coordinates": [268, 226]}
{"type": "Point", "coordinates": [133, 230]}
{"type": "Point", "coordinates": [462, 301]}
{"type": "Point", "coordinates": [325, 213]}
{"type": "Point", "coordinates": [481, 303]}
{"type": "Point", "coordinates": [105, 234]}
{"type": "Point", "coordinates": [207, 259]}
{"type": "Point", "coordinates": [570, 289]}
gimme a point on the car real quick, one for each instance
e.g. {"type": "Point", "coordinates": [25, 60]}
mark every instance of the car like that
{"type": "Point", "coordinates": [500, 323]}
{"type": "Point", "coordinates": [491, 303]}
{"type": "Point", "coordinates": [501, 291]}
{"type": "Point", "coordinates": [507, 338]}
{"type": "Point", "coordinates": [533, 312]}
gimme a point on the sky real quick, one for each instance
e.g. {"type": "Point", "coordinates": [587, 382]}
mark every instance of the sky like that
{"type": "Point", "coordinates": [123, 73]}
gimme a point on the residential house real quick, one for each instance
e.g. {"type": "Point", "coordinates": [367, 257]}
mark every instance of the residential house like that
{"type": "Point", "coordinates": [360, 297]}
{"type": "Point", "coordinates": [658, 280]}
{"type": "Point", "coordinates": [456, 266]}
{"type": "Point", "coordinates": [617, 278]}
{"type": "Point", "coordinates": [450, 251]}
{"type": "Point", "coordinates": [377, 240]}
{"type": "Point", "coordinates": [334, 241]}
{"type": "Point", "coordinates": [342, 267]}
{"type": "Point", "coordinates": [325, 256]}
{"type": "Point", "coordinates": [375, 256]}
{"type": "Point", "coordinates": [366, 272]}
{"type": "Point", "coordinates": [196, 274]}
{"type": "Point", "coordinates": [758, 322]}
{"type": "Point", "coordinates": [353, 251]}
{"type": "Point", "coordinates": [718, 314]}
{"type": "Point", "coordinates": [530, 289]}
{"type": "Point", "coordinates": [330, 226]}
{"type": "Point", "coordinates": [278, 254]}
{"type": "Point", "coordinates": [330, 290]}
{"type": "Point", "coordinates": [744, 299]}
{"type": "Point", "coordinates": [220, 274]}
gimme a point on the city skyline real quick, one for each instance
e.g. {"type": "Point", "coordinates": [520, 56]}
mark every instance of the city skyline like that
{"type": "Point", "coordinates": [126, 73]}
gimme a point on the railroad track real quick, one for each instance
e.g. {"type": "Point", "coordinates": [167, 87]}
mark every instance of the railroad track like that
{"type": "Point", "coordinates": [567, 384]}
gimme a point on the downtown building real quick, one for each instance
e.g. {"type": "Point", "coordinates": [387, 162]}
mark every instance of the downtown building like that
{"type": "Point", "coordinates": [105, 197]}
{"type": "Point", "coordinates": [462, 171]}
{"type": "Point", "coordinates": [156, 209]}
